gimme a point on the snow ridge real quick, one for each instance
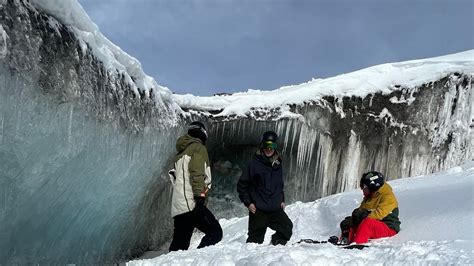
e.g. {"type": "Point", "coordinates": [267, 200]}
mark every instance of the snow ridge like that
{"type": "Point", "coordinates": [384, 78]}
{"type": "Point", "coordinates": [274, 104]}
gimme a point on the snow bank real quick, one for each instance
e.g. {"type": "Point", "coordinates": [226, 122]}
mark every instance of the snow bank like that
{"type": "Point", "coordinates": [436, 211]}
{"type": "Point", "coordinates": [382, 78]}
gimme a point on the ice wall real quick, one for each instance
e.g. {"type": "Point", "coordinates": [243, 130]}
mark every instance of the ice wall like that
{"type": "Point", "coordinates": [409, 132]}
{"type": "Point", "coordinates": [83, 149]}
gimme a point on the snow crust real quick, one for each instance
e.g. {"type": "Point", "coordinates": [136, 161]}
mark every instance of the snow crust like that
{"type": "Point", "coordinates": [72, 15]}
{"type": "Point", "coordinates": [436, 211]}
{"type": "Point", "coordinates": [383, 78]}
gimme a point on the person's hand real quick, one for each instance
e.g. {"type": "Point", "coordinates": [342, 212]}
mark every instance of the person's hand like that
{"type": "Point", "coordinates": [358, 215]}
{"type": "Point", "coordinates": [282, 205]}
{"type": "Point", "coordinates": [252, 208]}
{"type": "Point", "coordinates": [199, 208]}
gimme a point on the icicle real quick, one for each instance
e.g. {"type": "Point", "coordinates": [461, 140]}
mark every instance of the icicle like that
{"type": "Point", "coordinates": [3, 43]}
{"type": "Point", "coordinates": [69, 131]}
{"type": "Point", "coordinates": [351, 165]}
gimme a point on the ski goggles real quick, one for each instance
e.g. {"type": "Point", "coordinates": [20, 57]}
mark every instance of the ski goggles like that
{"type": "Point", "coordinates": [269, 145]}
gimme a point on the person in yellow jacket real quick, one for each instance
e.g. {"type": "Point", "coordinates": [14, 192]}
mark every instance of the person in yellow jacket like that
{"type": "Point", "coordinates": [377, 215]}
{"type": "Point", "coordinates": [191, 180]}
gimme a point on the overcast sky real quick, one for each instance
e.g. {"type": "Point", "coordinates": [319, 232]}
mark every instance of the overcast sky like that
{"type": "Point", "coordinates": [204, 47]}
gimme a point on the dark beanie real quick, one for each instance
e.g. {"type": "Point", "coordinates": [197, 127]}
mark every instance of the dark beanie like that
{"type": "Point", "coordinates": [197, 130]}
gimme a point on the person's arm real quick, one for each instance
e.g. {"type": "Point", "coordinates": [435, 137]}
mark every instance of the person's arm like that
{"type": "Point", "coordinates": [243, 187]}
{"type": "Point", "coordinates": [387, 204]}
{"type": "Point", "coordinates": [282, 204]}
{"type": "Point", "coordinates": [197, 172]}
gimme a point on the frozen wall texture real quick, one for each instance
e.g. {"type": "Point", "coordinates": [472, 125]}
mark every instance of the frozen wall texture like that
{"type": "Point", "coordinates": [406, 133]}
{"type": "Point", "coordinates": [84, 150]}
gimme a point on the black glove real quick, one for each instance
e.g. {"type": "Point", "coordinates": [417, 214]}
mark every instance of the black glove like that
{"type": "Point", "coordinates": [346, 225]}
{"type": "Point", "coordinates": [358, 215]}
{"type": "Point", "coordinates": [200, 207]}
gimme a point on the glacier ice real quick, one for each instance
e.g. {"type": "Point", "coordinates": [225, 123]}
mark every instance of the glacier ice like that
{"type": "Point", "coordinates": [81, 154]}
{"type": "Point", "coordinates": [73, 187]}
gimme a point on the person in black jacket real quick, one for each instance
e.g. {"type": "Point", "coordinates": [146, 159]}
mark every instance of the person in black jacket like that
{"type": "Point", "coordinates": [260, 188]}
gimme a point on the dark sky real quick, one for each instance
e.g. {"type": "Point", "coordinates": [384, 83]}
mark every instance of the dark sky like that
{"type": "Point", "coordinates": [204, 47]}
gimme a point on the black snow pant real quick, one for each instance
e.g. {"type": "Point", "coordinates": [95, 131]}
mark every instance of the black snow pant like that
{"type": "Point", "coordinates": [184, 225]}
{"type": "Point", "coordinates": [277, 220]}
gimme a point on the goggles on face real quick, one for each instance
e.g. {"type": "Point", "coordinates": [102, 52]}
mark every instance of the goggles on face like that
{"type": "Point", "coordinates": [269, 145]}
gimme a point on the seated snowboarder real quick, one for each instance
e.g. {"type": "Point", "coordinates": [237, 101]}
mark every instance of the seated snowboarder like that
{"type": "Point", "coordinates": [377, 215]}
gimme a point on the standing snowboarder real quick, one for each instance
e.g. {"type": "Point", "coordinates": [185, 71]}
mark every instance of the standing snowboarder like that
{"type": "Point", "coordinates": [191, 179]}
{"type": "Point", "coordinates": [260, 188]}
{"type": "Point", "coordinates": [377, 215]}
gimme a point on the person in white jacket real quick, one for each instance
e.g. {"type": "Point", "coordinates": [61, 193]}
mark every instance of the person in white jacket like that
{"type": "Point", "coordinates": [191, 179]}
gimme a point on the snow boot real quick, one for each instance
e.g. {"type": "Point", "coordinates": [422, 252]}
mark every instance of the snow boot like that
{"type": "Point", "coordinates": [343, 241]}
{"type": "Point", "coordinates": [333, 240]}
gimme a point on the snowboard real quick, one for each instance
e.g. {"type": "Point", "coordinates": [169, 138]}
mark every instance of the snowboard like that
{"type": "Point", "coordinates": [353, 246]}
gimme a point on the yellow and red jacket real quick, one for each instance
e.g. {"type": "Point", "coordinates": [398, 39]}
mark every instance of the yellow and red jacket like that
{"type": "Point", "coordinates": [383, 206]}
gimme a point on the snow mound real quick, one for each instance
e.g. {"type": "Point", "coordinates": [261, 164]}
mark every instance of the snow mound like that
{"type": "Point", "coordinates": [436, 211]}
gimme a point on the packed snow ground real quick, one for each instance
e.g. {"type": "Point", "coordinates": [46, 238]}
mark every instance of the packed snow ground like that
{"type": "Point", "coordinates": [436, 211]}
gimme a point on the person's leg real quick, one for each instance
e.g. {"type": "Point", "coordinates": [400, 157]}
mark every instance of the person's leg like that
{"type": "Point", "coordinates": [258, 223]}
{"type": "Point", "coordinates": [346, 226]}
{"type": "Point", "coordinates": [183, 231]}
{"type": "Point", "coordinates": [209, 225]}
{"type": "Point", "coordinates": [371, 229]}
{"type": "Point", "coordinates": [351, 235]}
{"type": "Point", "coordinates": [281, 223]}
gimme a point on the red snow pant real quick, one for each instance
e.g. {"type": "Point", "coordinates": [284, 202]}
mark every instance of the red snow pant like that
{"type": "Point", "coordinates": [370, 228]}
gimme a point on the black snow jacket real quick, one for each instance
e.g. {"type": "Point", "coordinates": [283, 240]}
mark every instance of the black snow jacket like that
{"type": "Point", "coordinates": [262, 183]}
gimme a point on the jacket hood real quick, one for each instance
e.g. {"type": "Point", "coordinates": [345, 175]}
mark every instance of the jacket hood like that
{"type": "Point", "coordinates": [184, 141]}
